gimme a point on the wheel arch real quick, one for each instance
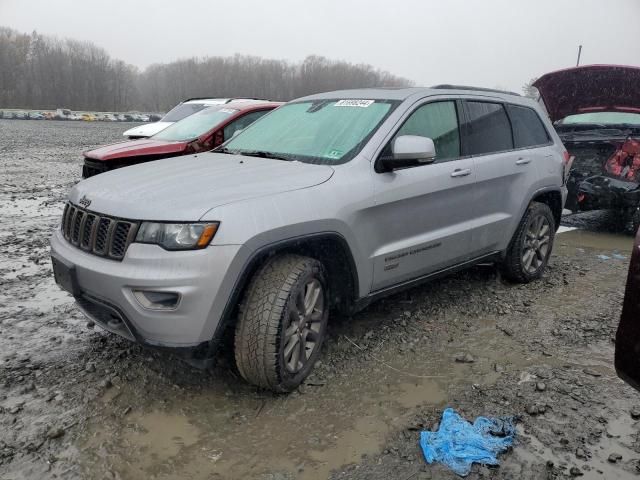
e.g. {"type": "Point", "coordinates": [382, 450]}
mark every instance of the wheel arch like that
{"type": "Point", "coordinates": [330, 248]}
{"type": "Point", "coordinates": [553, 198]}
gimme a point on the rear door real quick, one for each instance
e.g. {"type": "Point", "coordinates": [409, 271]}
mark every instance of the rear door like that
{"type": "Point", "coordinates": [424, 212]}
{"type": "Point", "coordinates": [506, 167]}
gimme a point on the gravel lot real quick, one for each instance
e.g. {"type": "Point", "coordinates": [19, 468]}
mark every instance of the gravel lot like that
{"type": "Point", "coordinates": [81, 403]}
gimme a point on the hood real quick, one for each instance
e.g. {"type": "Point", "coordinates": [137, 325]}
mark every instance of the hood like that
{"type": "Point", "coordinates": [147, 130]}
{"type": "Point", "coordinates": [185, 190]}
{"type": "Point", "coordinates": [135, 148]}
{"type": "Point", "coordinates": [592, 88]}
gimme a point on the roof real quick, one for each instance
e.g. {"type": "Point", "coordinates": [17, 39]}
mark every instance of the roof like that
{"type": "Point", "coordinates": [220, 101]}
{"type": "Point", "coordinates": [417, 92]}
{"type": "Point", "coordinates": [243, 105]}
{"type": "Point", "coordinates": [207, 101]}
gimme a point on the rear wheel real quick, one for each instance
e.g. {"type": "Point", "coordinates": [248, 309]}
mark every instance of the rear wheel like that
{"type": "Point", "coordinates": [282, 323]}
{"type": "Point", "coordinates": [530, 247]}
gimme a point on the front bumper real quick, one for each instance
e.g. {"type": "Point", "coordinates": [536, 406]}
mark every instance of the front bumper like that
{"type": "Point", "coordinates": [203, 278]}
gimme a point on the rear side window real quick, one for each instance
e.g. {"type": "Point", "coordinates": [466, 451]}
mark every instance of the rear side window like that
{"type": "Point", "coordinates": [487, 129]}
{"type": "Point", "coordinates": [439, 122]}
{"type": "Point", "coordinates": [528, 129]}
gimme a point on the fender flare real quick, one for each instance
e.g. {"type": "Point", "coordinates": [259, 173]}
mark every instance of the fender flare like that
{"type": "Point", "coordinates": [259, 255]}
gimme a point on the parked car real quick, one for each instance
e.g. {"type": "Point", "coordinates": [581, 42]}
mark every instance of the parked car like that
{"type": "Point", "coordinates": [180, 111]}
{"type": "Point", "coordinates": [88, 117]}
{"type": "Point", "coordinates": [62, 113]}
{"type": "Point", "coordinates": [596, 112]}
{"type": "Point", "coordinates": [627, 356]}
{"type": "Point", "coordinates": [36, 116]}
{"type": "Point", "coordinates": [328, 203]}
{"type": "Point", "coordinates": [199, 132]}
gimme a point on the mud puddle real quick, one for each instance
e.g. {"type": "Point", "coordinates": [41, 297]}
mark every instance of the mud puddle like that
{"type": "Point", "coordinates": [607, 243]}
{"type": "Point", "coordinates": [311, 434]}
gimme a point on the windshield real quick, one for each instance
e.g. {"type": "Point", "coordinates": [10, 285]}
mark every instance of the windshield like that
{"type": "Point", "coordinates": [321, 131]}
{"type": "Point", "coordinates": [602, 118]}
{"type": "Point", "coordinates": [195, 125]}
{"type": "Point", "coordinates": [182, 111]}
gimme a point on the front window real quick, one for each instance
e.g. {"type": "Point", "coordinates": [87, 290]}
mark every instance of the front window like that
{"type": "Point", "coordinates": [181, 111]}
{"type": "Point", "coordinates": [439, 122]}
{"type": "Point", "coordinates": [321, 131]}
{"type": "Point", "coordinates": [195, 125]}
{"type": "Point", "coordinates": [602, 118]}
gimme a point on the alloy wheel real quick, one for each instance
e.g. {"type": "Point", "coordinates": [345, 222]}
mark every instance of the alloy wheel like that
{"type": "Point", "coordinates": [302, 333]}
{"type": "Point", "coordinates": [536, 244]}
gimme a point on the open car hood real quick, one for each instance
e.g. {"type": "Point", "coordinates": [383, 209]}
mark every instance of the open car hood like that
{"type": "Point", "coordinates": [592, 88]}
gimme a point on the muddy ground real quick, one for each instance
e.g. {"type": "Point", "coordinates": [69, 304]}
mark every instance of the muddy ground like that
{"type": "Point", "coordinates": [81, 403]}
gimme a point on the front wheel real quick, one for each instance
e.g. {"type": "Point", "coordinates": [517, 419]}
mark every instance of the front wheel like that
{"type": "Point", "coordinates": [282, 323]}
{"type": "Point", "coordinates": [530, 248]}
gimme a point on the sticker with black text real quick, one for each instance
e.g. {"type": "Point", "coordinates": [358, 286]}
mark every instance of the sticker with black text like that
{"type": "Point", "coordinates": [354, 103]}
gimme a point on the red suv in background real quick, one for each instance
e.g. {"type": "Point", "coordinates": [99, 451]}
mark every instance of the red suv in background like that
{"type": "Point", "coordinates": [196, 133]}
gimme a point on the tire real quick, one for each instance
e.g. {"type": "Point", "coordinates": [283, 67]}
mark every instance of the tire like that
{"type": "Point", "coordinates": [528, 253]}
{"type": "Point", "coordinates": [635, 221]}
{"type": "Point", "coordinates": [269, 323]}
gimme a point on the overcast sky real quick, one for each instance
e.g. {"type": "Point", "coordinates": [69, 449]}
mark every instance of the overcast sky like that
{"type": "Point", "coordinates": [477, 42]}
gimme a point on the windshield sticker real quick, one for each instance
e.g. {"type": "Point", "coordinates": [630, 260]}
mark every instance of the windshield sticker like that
{"type": "Point", "coordinates": [334, 154]}
{"type": "Point", "coordinates": [228, 110]}
{"type": "Point", "coordinates": [354, 103]}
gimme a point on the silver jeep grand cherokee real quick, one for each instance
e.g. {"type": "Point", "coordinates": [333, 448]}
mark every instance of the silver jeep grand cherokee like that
{"type": "Point", "coordinates": [327, 203]}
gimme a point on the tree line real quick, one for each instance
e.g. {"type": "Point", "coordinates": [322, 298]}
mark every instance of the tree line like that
{"type": "Point", "coordinates": [43, 72]}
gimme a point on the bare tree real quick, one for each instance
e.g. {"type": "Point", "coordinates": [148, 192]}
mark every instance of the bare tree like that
{"type": "Point", "coordinates": [38, 71]}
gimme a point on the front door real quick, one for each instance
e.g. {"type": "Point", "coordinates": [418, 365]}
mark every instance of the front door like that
{"type": "Point", "coordinates": [423, 214]}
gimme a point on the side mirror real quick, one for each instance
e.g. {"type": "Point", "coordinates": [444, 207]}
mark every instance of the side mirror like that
{"type": "Point", "coordinates": [409, 151]}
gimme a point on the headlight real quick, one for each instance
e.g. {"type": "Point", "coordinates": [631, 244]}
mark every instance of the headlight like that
{"type": "Point", "coordinates": [177, 236]}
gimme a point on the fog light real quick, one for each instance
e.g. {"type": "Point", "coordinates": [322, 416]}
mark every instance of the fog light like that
{"type": "Point", "coordinates": [157, 300]}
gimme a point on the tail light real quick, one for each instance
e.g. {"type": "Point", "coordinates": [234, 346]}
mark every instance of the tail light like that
{"type": "Point", "coordinates": [567, 161]}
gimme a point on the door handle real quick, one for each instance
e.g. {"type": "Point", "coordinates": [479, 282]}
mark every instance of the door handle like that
{"type": "Point", "coordinates": [461, 173]}
{"type": "Point", "coordinates": [523, 161]}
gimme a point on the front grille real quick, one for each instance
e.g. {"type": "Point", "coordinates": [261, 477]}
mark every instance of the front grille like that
{"type": "Point", "coordinates": [98, 234]}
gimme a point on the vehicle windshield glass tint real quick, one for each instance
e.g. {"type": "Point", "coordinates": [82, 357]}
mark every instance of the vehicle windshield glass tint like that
{"type": "Point", "coordinates": [322, 131]}
{"type": "Point", "coordinates": [182, 111]}
{"type": "Point", "coordinates": [195, 125]}
{"type": "Point", "coordinates": [602, 118]}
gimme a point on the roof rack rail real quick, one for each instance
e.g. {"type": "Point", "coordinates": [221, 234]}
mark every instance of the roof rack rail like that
{"type": "Point", "coordinates": [479, 89]}
{"type": "Point", "coordinates": [201, 98]}
{"type": "Point", "coordinates": [247, 98]}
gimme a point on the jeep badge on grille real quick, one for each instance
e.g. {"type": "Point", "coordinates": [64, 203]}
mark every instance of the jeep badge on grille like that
{"type": "Point", "coordinates": [84, 201]}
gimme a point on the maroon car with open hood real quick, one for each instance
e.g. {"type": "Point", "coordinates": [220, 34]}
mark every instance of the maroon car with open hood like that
{"type": "Point", "coordinates": [596, 112]}
{"type": "Point", "coordinates": [199, 132]}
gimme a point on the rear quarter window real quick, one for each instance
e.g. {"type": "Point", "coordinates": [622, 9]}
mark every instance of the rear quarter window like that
{"type": "Point", "coordinates": [528, 129]}
{"type": "Point", "coordinates": [487, 128]}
